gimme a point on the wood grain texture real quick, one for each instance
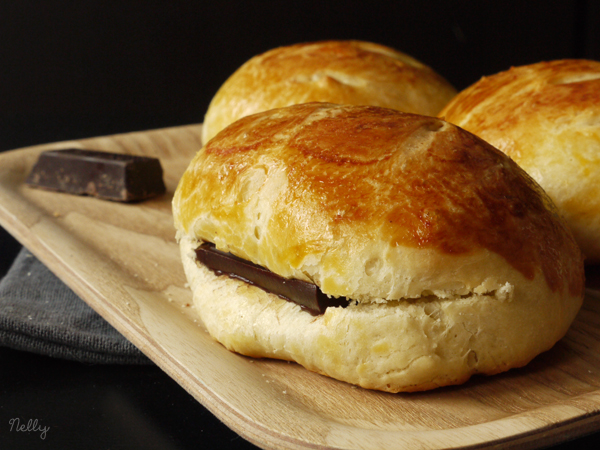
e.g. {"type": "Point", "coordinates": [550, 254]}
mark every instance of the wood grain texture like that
{"type": "Point", "coordinates": [123, 260]}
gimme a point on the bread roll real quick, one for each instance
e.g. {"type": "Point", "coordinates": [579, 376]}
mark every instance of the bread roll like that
{"type": "Point", "coordinates": [546, 117]}
{"type": "Point", "coordinates": [348, 72]}
{"type": "Point", "coordinates": [453, 260]}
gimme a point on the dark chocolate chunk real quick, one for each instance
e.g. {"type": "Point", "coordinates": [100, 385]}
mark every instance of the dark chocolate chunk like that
{"type": "Point", "coordinates": [110, 176]}
{"type": "Point", "coordinates": [307, 295]}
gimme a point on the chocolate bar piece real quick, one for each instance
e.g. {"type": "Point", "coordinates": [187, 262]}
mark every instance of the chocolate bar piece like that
{"type": "Point", "coordinates": [307, 295]}
{"type": "Point", "coordinates": [110, 176]}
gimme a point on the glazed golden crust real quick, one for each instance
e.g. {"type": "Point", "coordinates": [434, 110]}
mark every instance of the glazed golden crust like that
{"type": "Point", "coordinates": [546, 117]}
{"type": "Point", "coordinates": [345, 72]}
{"type": "Point", "coordinates": [454, 258]}
{"type": "Point", "coordinates": [370, 203]}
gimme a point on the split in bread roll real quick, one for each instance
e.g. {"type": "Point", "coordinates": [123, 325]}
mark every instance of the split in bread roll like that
{"type": "Point", "coordinates": [546, 117]}
{"type": "Point", "coordinates": [449, 259]}
{"type": "Point", "coordinates": [345, 72]}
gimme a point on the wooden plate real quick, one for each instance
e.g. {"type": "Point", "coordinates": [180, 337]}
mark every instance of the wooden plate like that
{"type": "Point", "coordinates": [124, 262]}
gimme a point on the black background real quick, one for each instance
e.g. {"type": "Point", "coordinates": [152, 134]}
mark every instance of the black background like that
{"type": "Point", "coordinates": [76, 69]}
{"type": "Point", "coordinates": [81, 68]}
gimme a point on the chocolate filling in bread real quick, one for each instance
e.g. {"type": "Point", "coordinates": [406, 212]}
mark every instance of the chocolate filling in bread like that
{"type": "Point", "coordinates": [305, 294]}
{"type": "Point", "coordinates": [441, 245]}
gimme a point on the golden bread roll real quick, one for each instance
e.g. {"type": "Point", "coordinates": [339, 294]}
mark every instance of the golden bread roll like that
{"type": "Point", "coordinates": [546, 117]}
{"type": "Point", "coordinates": [347, 72]}
{"type": "Point", "coordinates": [452, 261]}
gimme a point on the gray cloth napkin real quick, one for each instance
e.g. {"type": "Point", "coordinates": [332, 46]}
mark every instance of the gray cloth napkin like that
{"type": "Point", "coordinates": [40, 314]}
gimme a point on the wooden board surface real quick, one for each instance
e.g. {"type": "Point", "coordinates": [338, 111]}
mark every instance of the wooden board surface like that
{"type": "Point", "coordinates": [124, 262]}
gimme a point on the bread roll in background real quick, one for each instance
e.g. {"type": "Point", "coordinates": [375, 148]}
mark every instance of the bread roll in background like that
{"type": "Point", "coordinates": [546, 117]}
{"type": "Point", "coordinates": [454, 260]}
{"type": "Point", "coordinates": [346, 72]}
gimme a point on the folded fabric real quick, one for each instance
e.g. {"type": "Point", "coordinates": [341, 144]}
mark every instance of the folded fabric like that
{"type": "Point", "coordinates": [40, 314]}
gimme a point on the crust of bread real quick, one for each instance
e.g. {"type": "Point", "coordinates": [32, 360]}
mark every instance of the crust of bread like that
{"type": "Point", "coordinates": [454, 259]}
{"type": "Point", "coordinates": [345, 72]}
{"type": "Point", "coordinates": [372, 204]}
{"type": "Point", "coordinates": [546, 117]}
